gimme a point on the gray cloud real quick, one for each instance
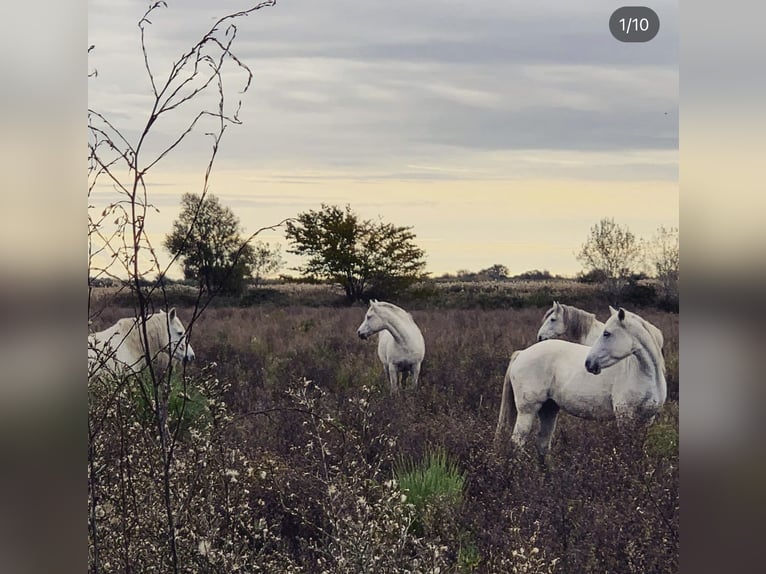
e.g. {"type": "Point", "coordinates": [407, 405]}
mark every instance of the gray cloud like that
{"type": "Point", "coordinates": [343, 82]}
{"type": "Point", "coordinates": [426, 91]}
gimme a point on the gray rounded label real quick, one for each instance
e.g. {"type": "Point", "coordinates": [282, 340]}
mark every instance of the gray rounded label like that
{"type": "Point", "coordinates": [634, 24]}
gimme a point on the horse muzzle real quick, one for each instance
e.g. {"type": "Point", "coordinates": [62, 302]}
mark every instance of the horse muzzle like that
{"type": "Point", "coordinates": [362, 336]}
{"type": "Point", "coordinates": [592, 367]}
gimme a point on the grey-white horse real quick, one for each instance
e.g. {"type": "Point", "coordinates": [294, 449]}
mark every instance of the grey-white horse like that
{"type": "Point", "coordinates": [401, 347]}
{"type": "Point", "coordinates": [570, 324]}
{"type": "Point", "coordinates": [120, 349]}
{"type": "Point", "coordinates": [552, 375]}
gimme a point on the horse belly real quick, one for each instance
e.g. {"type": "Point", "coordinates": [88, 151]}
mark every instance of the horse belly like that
{"type": "Point", "coordinates": [404, 359]}
{"type": "Point", "coordinates": [585, 396]}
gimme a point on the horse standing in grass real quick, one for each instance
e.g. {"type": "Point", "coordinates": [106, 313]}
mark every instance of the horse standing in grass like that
{"type": "Point", "coordinates": [554, 374]}
{"type": "Point", "coordinates": [120, 349]}
{"type": "Point", "coordinates": [570, 324]}
{"type": "Point", "coordinates": [563, 322]}
{"type": "Point", "coordinates": [401, 347]}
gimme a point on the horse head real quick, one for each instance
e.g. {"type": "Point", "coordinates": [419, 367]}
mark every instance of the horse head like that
{"type": "Point", "coordinates": [372, 322]}
{"type": "Point", "coordinates": [614, 344]}
{"type": "Point", "coordinates": [180, 348]}
{"type": "Point", "coordinates": [553, 326]}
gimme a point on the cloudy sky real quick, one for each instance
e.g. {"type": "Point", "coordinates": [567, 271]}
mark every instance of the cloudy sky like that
{"type": "Point", "coordinates": [501, 130]}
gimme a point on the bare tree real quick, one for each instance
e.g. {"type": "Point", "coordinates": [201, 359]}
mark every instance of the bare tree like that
{"type": "Point", "coordinates": [118, 244]}
{"type": "Point", "coordinates": [267, 259]}
{"type": "Point", "coordinates": [611, 251]}
{"type": "Point", "coordinates": [662, 257]}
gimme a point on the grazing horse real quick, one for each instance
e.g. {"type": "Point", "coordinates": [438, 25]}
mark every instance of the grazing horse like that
{"type": "Point", "coordinates": [570, 324]}
{"type": "Point", "coordinates": [120, 349]}
{"type": "Point", "coordinates": [401, 347]}
{"type": "Point", "coordinates": [554, 374]}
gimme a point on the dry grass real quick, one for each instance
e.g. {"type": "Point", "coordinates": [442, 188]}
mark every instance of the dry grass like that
{"type": "Point", "coordinates": [607, 502]}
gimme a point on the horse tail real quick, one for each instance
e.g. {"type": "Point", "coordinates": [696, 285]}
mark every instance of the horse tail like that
{"type": "Point", "coordinates": [507, 404]}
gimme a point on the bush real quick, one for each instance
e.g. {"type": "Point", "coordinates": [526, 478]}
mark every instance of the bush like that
{"type": "Point", "coordinates": [636, 294]}
{"type": "Point", "coordinates": [662, 440]}
{"type": "Point", "coordinates": [186, 405]}
{"type": "Point", "coordinates": [433, 484]}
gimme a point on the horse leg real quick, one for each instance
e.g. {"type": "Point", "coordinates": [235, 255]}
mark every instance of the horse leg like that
{"type": "Point", "coordinates": [393, 378]}
{"type": "Point", "coordinates": [522, 428]}
{"type": "Point", "coordinates": [415, 375]}
{"type": "Point", "coordinates": [548, 414]}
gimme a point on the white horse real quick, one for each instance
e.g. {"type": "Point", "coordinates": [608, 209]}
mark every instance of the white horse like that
{"type": "Point", "coordinates": [570, 324]}
{"type": "Point", "coordinates": [120, 348]}
{"type": "Point", "coordinates": [401, 347]}
{"type": "Point", "coordinates": [554, 374]}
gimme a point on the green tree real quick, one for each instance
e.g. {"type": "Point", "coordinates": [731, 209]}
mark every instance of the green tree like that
{"type": "Point", "coordinates": [364, 257]}
{"type": "Point", "coordinates": [497, 272]}
{"type": "Point", "coordinates": [207, 238]}
{"type": "Point", "coordinates": [611, 251]}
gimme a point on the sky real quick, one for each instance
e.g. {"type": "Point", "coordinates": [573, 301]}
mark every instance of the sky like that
{"type": "Point", "coordinates": [501, 131]}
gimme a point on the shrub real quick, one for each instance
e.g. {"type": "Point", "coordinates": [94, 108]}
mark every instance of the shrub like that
{"type": "Point", "coordinates": [637, 294]}
{"type": "Point", "coordinates": [433, 484]}
{"type": "Point", "coordinates": [186, 404]}
{"type": "Point", "coordinates": [662, 440]}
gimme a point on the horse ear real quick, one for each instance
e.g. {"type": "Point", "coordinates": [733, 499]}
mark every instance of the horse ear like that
{"type": "Point", "coordinates": [612, 310]}
{"type": "Point", "coordinates": [172, 313]}
{"type": "Point", "coordinates": [557, 305]}
{"type": "Point", "coordinates": [621, 314]}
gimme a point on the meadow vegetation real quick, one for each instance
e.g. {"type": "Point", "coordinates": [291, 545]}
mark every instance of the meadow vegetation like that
{"type": "Point", "coordinates": [301, 461]}
{"type": "Point", "coordinates": [281, 450]}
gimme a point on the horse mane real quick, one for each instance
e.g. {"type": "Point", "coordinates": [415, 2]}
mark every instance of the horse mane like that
{"type": "Point", "coordinates": [655, 337]}
{"type": "Point", "coordinates": [394, 308]}
{"type": "Point", "coordinates": [578, 322]}
{"type": "Point", "coordinates": [652, 341]}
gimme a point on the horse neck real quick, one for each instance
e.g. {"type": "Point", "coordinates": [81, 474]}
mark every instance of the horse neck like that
{"type": "Point", "coordinates": [580, 325]}
{"type": "Point", "coordinates": [397, 326]}
{"type": "Point", "coordinates": [155, 327]}
{"type": "Point", "coordinates": [650, 362]}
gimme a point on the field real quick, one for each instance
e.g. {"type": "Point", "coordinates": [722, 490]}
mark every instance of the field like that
{"type": "Point", "coordinates": [288, 451]}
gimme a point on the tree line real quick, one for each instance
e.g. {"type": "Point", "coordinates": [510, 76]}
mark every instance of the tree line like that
{"type": "Point", "coordinates": [376, 259]}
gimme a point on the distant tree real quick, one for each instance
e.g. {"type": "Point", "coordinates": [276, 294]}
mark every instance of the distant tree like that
{"type": "Point", "coordinates": [495, 273]}
{"type": "Point", "coordinates": [612, 250]}
{"type": "Point", "coordinates": [662, 256]}
{"type": "Point", "coordinates": [267, 259]}
{"type": "Point", "coordinates": [535, 275]}
{"type": "Point", "coordinates": [364, 257]}
{"type": "Point", "coordinates": [207, 238]}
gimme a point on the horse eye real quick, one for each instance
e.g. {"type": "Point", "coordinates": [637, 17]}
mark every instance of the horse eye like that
{"type": "Point", "coordinates": [607, 334]}
{"type": "Point", "coordinates": [553, 319]}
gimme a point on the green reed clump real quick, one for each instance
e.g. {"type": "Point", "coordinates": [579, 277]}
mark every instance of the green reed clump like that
{"type": "Point", "coordinates": [186, 403]}
{"type": "Point", "coordinates": [434, 485]}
